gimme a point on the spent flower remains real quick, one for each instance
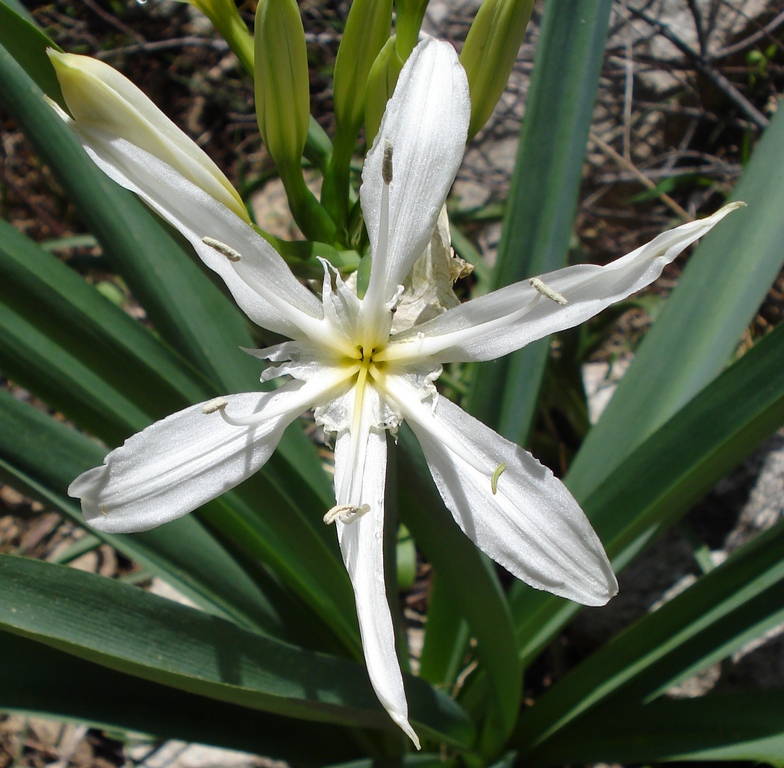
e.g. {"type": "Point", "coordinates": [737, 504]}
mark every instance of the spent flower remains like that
{"type": "Point", "coordinates": [346, 359]}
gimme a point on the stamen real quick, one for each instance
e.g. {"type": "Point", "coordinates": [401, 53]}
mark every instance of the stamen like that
{"type": "Point", "coordinates": [386, 165]}
{"type": "Point", "coordinates": [220, 247]}
{"type": "Point", "coordinates": [545, 290]}
{"type": "Point", "coordinates": [346, 513]}
{"type": "Point", "coordinates": [214, 405]}
{"type": "Point", "coordinates": [494, 479]}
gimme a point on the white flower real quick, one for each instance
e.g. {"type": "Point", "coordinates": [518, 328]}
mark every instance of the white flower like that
{"type": "Point", "coordinates": [362, 379]}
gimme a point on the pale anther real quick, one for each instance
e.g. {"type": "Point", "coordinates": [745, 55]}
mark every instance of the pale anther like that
{"type": "Point", "coordinates": [494, 479]}
{"type": "Point", "coordinates": [545, 290]}
{"type": "Point", "coordinates": [386, 165]}
{"type": "Point", "coordinates": [214, 405]}
{"type": "Point", "coordinates": [346, 513]}
{"type": "Point", "coordinates": [220, 247]}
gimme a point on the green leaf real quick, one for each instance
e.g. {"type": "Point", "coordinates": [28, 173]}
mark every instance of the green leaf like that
{"type": "Point", "coordinates": [36, 679]}
{"type": "Point", "coordinates": [419, 760]}
{"type": "Point", "coordinates": [543, 196]}
{"type": "Point", "coordinates": [446, 638]}
{"type": "Point", "coordinates": [81, 353]}
{"type": "Point", "coordinates": [132, 631]}
{"type": "Point", "coordinates": [722, 611]}
{"type": "Point", "coordinates": [735, 726]}
{"type": "Point", "coordinates": [699, 327]}
{"type": "Point", "coordinates": [670, 471]}
{"type": "Point", "coordinates": [27, 44]}
{"type": "Point", "coordinates": [473, 589]}
{"type": "Point", "coordinates": [41, 456]}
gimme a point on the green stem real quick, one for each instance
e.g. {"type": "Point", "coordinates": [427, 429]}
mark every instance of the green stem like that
{"type": "Point", "coordinates": [309, 214]}
{"type": "Point", "coordinates": [336, 192]}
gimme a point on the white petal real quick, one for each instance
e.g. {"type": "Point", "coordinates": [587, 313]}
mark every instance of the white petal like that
{"type": "Point", "coordinates": [282, 305]}
{"type": "Point", "coordinates": [362, 546]}
{"type": "Point", "coordinates": [508, 319]}
{"type": "Point", "coordinates": [532, 525]}
{"type": "Point", "coordinates": [426, 122]}
{"type": "Point", "coordinates": [181, 462]}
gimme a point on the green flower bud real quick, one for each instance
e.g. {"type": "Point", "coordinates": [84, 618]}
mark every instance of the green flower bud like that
{"type": "Point", "coordinates": [98, 96]}
{"type": "Point", "coordinates": [381, 84]}
{"type": "Point", "coordinates": [408, 20]}
{"type": "Point", "coordinates": [489, 53]}
{"type": "Point", "coordinates": [282, 86]}
{"type": "Point", "coordinates": [367, 29]}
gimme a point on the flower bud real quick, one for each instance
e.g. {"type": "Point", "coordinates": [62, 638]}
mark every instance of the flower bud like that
{"type": "Point", "coordinates": [408, 20]}
{"type": "Point", "coordinates": [489, 53]}
{"type": "Point", "coordinates": [98, 96]}
{"type": "Point", "coordinates": [282, 85]}
{"type": "Point", "coordinates": [380, 87]}
{"type": "Point", "coordinates": [367, 29]}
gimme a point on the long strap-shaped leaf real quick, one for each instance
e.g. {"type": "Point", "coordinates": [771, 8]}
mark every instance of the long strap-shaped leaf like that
{"type": "Point", "coordinates": [737, 726]}
{"type": "Point", "coordinates": [698, 330]}
{"type": "Point", "coordinates": [40, 456]}
{"type": "Point", "coordinates": [419, 760]}
{"type": "Point", "coordinates": [40, 680]}
{"type": "Point", "coordinates": [133, 631]}
{"type": "Point", "coordinates": [671, 470]}
{"type": "Point", "coordinates": [540, 210]}
{"type": "Point", "coordinates": [725, 609]}
{"type": "Point", "coordinates": [120, 375]}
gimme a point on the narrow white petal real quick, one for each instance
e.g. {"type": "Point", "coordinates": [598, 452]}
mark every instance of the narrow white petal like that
{"type": "Point", "coordinates": [284, 306]}
{"type": "Point", "coordinates": [512, 317]}
{"type": "Point", "coordinates": [531, 525]}
{"type": "Point", "coordinates": [362, 546]}
{"type": "Point", "coordinates": [426, 124]}
{"type": "Point", "coordinates": [181, 462]}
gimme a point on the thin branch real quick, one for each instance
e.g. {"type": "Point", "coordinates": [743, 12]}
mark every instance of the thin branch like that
{"type": "Point", "coordinates": [639, 175]}
{"type": "Point", "coordinates": [165, 45]}
{"type": "Point", "coordinates": [704, 67]}
{"type": "Point", "coordinates": [742, 45]}
{"type": "Point", "coordinates": [697, 17]}
{"type": "Point", "coordinates": [114, 21]}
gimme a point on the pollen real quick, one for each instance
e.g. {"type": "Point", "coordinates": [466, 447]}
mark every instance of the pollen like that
{"type": "Point", "coordinates": [222, 248]}
{"type": "Point", "coordinates": [219, 403]}
{"type": "Point", "coordinates": [546, 290]}
{"type": "Point", "coordinates": [346, 513]}
{"type": "Point", "coordinates": [386, 165]}
{"type": "Point", "coordinates": [499, 470]}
